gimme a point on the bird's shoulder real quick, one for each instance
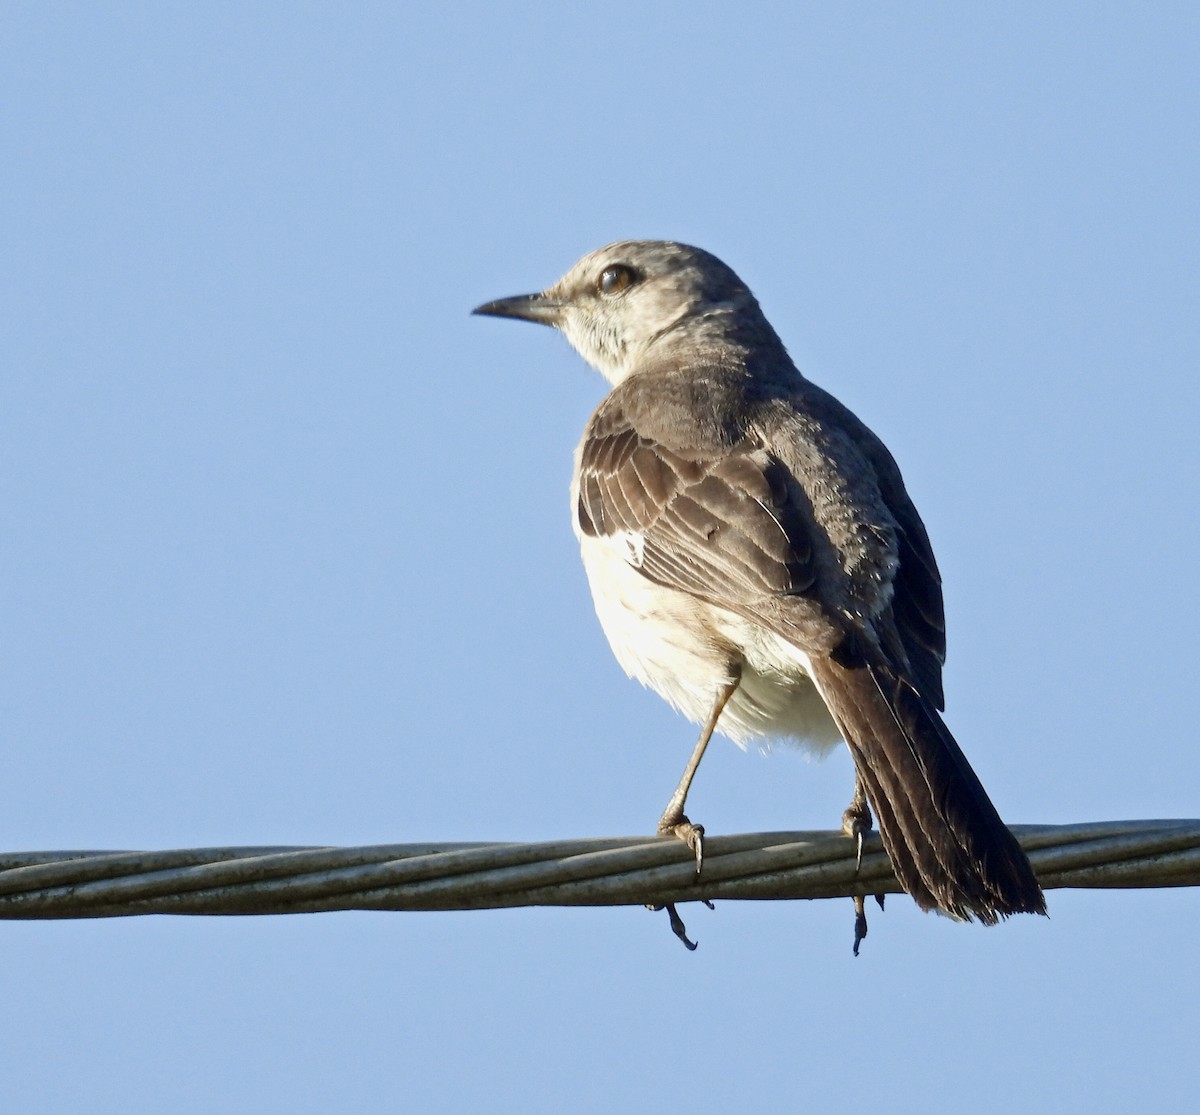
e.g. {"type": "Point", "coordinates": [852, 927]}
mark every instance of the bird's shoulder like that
{"type": "Point", "coordinates": [714, 512]}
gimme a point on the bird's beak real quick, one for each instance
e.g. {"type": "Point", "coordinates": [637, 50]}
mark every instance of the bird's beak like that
{"type": "Point", "coordinates": [528, 307]}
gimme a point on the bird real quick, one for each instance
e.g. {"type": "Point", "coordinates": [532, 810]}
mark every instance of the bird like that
{"type": "Point", "coordinates": [754, 557]}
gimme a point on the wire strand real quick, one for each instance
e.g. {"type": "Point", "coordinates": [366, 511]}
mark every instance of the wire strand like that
{"type": "Point", "coordinates": [599, 872]}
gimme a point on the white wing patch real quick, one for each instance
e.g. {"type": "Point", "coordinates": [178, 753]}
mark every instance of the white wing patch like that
{"type": "Point", "coordinates": [632, 547]}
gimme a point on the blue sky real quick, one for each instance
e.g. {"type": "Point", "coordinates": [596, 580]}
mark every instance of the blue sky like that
{"type": "Point", "coordinates": [287, 556]}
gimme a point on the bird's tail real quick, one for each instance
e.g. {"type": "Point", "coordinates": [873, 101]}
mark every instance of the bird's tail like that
{"type": "Point", "coordinates": [948, 846]}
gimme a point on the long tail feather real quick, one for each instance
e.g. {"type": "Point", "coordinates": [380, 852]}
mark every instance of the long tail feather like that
{"type": "Point", "coordinates": [948, 846]}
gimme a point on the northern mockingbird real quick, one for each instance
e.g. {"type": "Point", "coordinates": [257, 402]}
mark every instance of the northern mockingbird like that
{"type": "Point", "coordinates": [755, 559]}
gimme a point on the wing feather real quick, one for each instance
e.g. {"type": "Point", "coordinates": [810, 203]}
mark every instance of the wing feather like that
{"type": "Point", "coordinates": [719, 525]}
{"type": "Point", "coordinates": [731, 524]}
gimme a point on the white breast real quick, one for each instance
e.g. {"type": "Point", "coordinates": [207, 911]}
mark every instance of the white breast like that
{"type": "Point", "coordinates": [685, 649]}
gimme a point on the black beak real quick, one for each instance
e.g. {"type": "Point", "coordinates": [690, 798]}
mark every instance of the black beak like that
{"type": "Point", "coordinates": [527, 307]}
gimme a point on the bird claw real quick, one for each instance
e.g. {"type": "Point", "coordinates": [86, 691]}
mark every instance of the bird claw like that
{"type": "Point", "coordinates": [860, 922]}
{"type": "Point", "coordinates": [677, 926]}
{"type": "Point", "coordinates": [692, 835]}
{"type": "Point", "coordinates": [856, 823]}
{"type": "Point", "coordinates": [860, 919]}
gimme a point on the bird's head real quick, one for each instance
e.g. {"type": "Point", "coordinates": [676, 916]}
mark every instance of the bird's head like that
{"type": "Point", "coordinates": [624, 304]}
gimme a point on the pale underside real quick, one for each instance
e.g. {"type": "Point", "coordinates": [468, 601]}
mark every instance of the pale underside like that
{"type": "Point", "coordinates": [683, 647]}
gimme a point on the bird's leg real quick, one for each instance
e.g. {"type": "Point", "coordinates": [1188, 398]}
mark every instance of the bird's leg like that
{"type": "Point", "coordinates": [857, 819]}
{"type": "Point", "coordinates": [856, 822]}
{"type": "Point", "coordinates": [674, 822]}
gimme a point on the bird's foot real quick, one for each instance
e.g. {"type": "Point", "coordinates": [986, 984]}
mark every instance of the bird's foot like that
{"type": "Point", "coordinates": [856, 823]}
{"type": "Point", "coordinates": [860, 918]}
{"type": "Point", "coordinates": [674, 823]}
{"type": "Point", "coordinates": [678, 826]}
{"type": "Point", "coordinates": [677, 926]}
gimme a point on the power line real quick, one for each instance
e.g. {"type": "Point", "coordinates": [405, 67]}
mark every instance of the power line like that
{"type": "Point", "coordinates": [598, 872]}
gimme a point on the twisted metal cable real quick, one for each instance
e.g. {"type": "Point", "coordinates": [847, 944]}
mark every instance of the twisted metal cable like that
{"type": "Point", "coordinates": [602, 872]}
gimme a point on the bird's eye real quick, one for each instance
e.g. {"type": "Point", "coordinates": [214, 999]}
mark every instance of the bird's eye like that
{"type": "Point", "coordinates": [615, 279]}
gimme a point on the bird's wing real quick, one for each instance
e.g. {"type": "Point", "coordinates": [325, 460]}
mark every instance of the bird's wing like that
{"type": "Point", "coordinates": [748, 522]}
{"type": "Point", "coordinates": [719, 523]}
{"type": "Point", "coordinates": [917, 608]}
